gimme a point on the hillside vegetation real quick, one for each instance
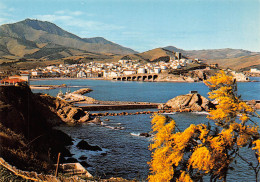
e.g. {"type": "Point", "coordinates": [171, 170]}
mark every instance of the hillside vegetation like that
{"type": "Point", "coordinates": [28, 38]}
{"type": "Point", "coordinates": [41, 42]}
{"type": "Point", "coordinates": [27, 139]}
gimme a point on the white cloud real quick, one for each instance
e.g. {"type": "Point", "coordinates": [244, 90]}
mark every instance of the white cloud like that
{"type": "Point", "coordinates": [59, 12]}
{"type": "Point", "coordinates": [77, 13]}
{"type": "Point", "coordinates": [68, 12]}
{"type": "Point", "coordinates": [93, 25]}
{"type": "Point", "coordinates": [72, 19]}
{"type": "Point", "coordinates": [54, 18]}
{"type": "Point", "coordinates": [5, 14]}
{"type": "Point", "coordinates": [2, 6]}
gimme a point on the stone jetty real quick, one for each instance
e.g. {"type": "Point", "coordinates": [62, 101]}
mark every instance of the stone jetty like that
{"type": "Point", "coordinates": [117, 105]}
{"type": "Point", "coordinates": [136, 113]}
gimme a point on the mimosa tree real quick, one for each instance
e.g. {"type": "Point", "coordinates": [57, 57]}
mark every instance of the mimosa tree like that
{"type": "Point", "coordinates": [205, 150]}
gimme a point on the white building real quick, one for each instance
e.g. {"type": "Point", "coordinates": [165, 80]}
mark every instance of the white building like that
{"type": "Point", "coordinates": [50, 67]}
{"type": "Point", "coordinates": [163, 67]}
{"type": "Point", "coordinates": [141, 70]}
{"type": "Point", "coordinates": [240, 77]}
{"type": "Point", "coordinates": [177, 66]}
{"type": "Point", "coordinates": [81, 74]}
{"type": "Point", "coordinates": [254, 70]}
{"type": "Point", "coordinates": [157, 70]}
{"type": "Point", "coordinates": [129, 72]}
{"type": "Point", "coordinates": [113, 74]}
{"type": "Point", "coordinates": [36, 73]}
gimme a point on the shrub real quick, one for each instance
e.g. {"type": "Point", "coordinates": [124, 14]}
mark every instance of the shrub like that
{"type": "Point", "coordinates": [202, 150]}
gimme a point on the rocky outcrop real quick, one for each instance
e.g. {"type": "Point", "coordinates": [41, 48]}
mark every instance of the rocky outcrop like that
{"type": "Point", "coordinates": [145, 134]}
{"type": "Point", "coordinates": [85, 146]}
{"type": "Point", "coordinates": [82, 91]}
{"type": "Point", "coordinates": [27, 139]}
{"type": "Point", "coordinates": [254, 104]}
{"type": "Point", "coordinates": [65, 111]}
{"type": "Point", "coordinates": [174, 78]}
{"type": "Point", "coordinates": [96, 120]}
{"type": "Point", "coordinates": [77, 96]}
{"type": "Point", "coordinates": [71, 114]}
{"type": "Point", "coordinates": [188, 102]}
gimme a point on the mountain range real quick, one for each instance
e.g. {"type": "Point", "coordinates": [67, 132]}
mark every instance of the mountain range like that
{"type": "Point", "coordinates": [237, 59]}
{"type": "Point", "coordinates": [41, 40]}
{"type": "Point", "coordinates": [45, 40]}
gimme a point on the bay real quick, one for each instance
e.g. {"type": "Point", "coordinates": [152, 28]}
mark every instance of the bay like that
{"type": "Point", "coordinates": [141, 91]}
{"type": "Point", "coordinates": [125, 154]}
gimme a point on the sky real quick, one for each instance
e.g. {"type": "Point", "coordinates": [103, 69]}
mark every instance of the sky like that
{"type": "Point", "coordinates": [147, 24]}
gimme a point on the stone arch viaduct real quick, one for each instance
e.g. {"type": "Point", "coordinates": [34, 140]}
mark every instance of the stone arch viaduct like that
{"type": "Point", "coordinates": [136, 77]}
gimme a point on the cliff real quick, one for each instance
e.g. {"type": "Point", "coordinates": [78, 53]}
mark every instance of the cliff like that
{"type": "Point", "coordinates": [62, 111]}
{"type": "Point", "coordinates": [27, 139]}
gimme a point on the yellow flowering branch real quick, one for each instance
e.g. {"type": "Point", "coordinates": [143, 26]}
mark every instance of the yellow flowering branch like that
{"type": "Point", "coordinates": [199, 151]}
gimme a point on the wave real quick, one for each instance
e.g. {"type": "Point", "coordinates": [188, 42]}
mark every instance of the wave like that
{"type": "Point", "coordinates": [135, 134]}
{"type": "Point", "coordinates": [171, 113]}
{"type": "Point", "coordinates": [114, 127]}
{"type": "Point", "coordinates": [200, 113]}
{"type": "Point", "coordinates": [78, 86]}
{"type": "Point", "coordinates": [139, 135]}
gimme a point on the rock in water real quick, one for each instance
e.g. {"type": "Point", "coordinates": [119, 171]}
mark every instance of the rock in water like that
{"type": "Point", "coordinates": [85, 146]}
{"type": "Point", "coordinates": [83, 157]}
{"type": "Point", "coordinates": [83, 91]}
{"type": "Point", "coordinates": [72, 114]}
{"type": "Point", "coordinates": [145, 134]}
{"type": "Point", "coordinates": [179, 102]}
{"type": "Point", "coordinates": [96, 120]}
{"type": "Point", "coordinates": [193, 102]}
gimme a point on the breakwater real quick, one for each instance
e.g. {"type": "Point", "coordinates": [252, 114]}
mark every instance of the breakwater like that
{"type": "Point", "coordinates": [98, 107]}
{"type": "Point", "coordinates": [138, 112]}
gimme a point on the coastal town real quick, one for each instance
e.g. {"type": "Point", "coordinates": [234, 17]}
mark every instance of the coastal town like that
{"type": "Point", "coordinates": [176, 69]}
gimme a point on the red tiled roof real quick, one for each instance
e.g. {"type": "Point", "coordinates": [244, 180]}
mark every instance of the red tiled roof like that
{"type": "Point", "coordinates": [12, 80]}
{"type": "Point", "coordinates": [24, 72]}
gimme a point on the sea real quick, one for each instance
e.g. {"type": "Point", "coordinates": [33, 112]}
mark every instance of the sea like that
{"type": "Point", "coordinates": [124, 153]}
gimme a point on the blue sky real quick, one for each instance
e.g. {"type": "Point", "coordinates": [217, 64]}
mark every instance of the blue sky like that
{"type": "Point", "coordinates": [146, 24]}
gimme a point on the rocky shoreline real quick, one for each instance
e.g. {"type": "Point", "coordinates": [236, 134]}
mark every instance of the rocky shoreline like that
{"type": "Point", "coordinates": [28, 140]}
{"type": "Point", "coordinates": [27, 122]}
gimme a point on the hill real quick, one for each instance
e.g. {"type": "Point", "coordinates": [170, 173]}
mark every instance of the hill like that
{"type": "Point", "coordinates": [240, 63]}
{"type": "Point", "coordinates": [154, 55]}
{"type": "Point", "coordinates": [33, 39]}
{"type": "Point", "coordinates": [237, 59]}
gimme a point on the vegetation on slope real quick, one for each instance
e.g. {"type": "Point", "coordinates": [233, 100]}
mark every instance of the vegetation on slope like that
{"type": "Point", "coordinates": [27, 139]}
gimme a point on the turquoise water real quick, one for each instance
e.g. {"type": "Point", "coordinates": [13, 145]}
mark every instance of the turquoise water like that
{"type": "Point", "coordinates": [125, 154]}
